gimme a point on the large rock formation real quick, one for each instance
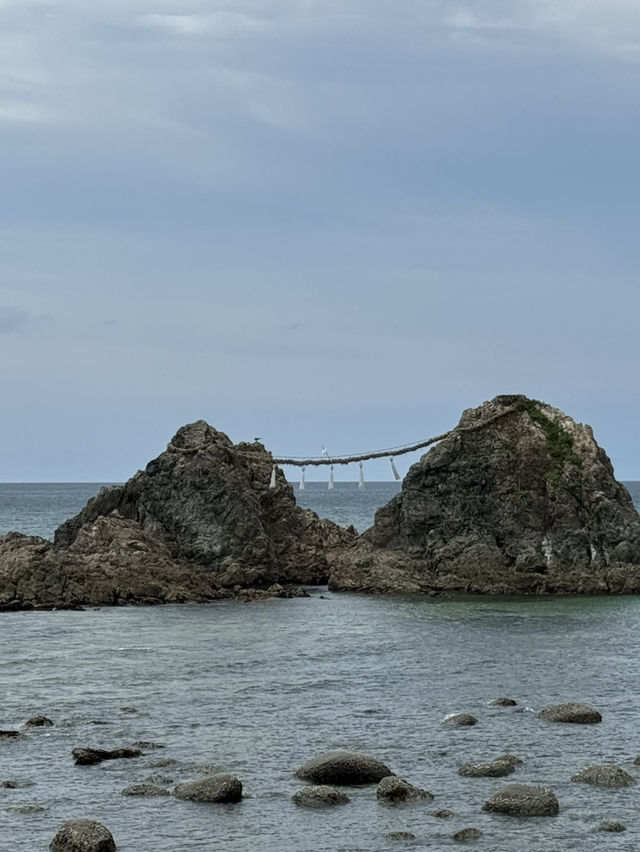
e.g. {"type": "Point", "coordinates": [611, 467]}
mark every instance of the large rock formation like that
{"type": "Point", "coordinates": [517, 499]}
{"type": "Point", "coordinates": [199, 522]}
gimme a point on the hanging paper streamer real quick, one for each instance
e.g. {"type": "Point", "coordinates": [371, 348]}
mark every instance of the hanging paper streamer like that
{"type": "Point", "coordinates": [331, 478]}
{"type": "Point", "coordinates": [361, 478]}
{"type": "Point", "coordinates": [302, 480]}
{"type": "Point", "coordinates": [396, 475]}
{"type": "Point", "coordinates": [272, 484]}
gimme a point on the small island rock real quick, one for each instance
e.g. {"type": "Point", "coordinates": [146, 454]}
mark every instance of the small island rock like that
{"type": "Point", "coordinates": [83, 835]}
{"type": "Point", "coordinates": [343, 767]}
{"type": "Point", "coordinates": [214, 788]}
{"type": "Point", "coordinates": [523, 800]}
{"type": "Point", "coordinates": [320, 796]}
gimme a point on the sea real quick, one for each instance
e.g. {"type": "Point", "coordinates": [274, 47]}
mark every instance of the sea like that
{"type": "Point", "coordinates": [257, 689]}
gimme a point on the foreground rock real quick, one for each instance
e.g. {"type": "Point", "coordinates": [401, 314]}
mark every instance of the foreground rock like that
{"type": "Point", "coordinates": [394, 789]}
{"type": "Point", "coordinates": [89, 756]}
{"type": "Point", "coordinates": [214, 788]}
{"type": "Point", "coordinates": [343, 767]}
{"type": "Point", "coordinates": [321, 796]}
{"type": "Point", "coordinates": [199, 523]}
{"type": "Point", "coordinates": [517, 499]}
{"type": "Point", "coordinates": [83, 835]}
{"type": "Point", "coordinates": [572, 712]}
{"type": "Point", "coordinates": [523, 800]}
{"type": "Point", "coordinates": [604, 775]}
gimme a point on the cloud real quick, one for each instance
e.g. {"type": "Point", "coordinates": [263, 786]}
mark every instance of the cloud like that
{"type": "Point", "coordinates": [12, 319]}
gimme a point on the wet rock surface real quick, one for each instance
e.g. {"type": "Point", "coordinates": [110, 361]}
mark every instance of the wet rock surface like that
{"type": "Point", "coordinates": [394, 789]}
{"type": "Point", "coordinates": [459, 720]}
{"type": "Point", "coordinates": [614, 827]}
{"type": "Point", "coordinates": [604, 775]}
{"type": "Point", "coordinates": [572, 712]}
{"type": "Point", "coordinates": [83, 835]}
{"type": "Point", "coordinates": [343, 767]}
{"type": "Point", "coordinates": [497, 768]}
{"type": "Point", "coordinates": [523, 800]}
{"type": "Point", "coordinates": [517, 499]}
{"type": "Point", "coordinates": [214, 788]}
{"type": "Point", "coordinates": [319, 796]}
{"type": "Point", "coordinates": [89, 756]}
{"type": "Point", "coordinates": [145, 789]}
{"type": "Point", "coordinates": [466, 835]}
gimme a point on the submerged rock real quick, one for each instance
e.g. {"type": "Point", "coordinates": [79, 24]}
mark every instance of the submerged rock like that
{"type": "Point", "coordinates": [467, 835]}
{"type": "Point", "coordinates": [321, 796]}
{"type": "Point", "coordinates": [38, 722]}
{"type": "Point", "coordinates": [502, 702]}
{"type": "Point", "coordinates": [146, 790]}
{"type": "Point", "coordinates": [214, 788]}
{"type": "Point", "coordinates": [572, 712]}
{"type": "Point", "coordinates": [604, 775]}
{"type": "Point", "coordinates": [497, 768]}
{"type": "Point", "coordinates": [608, 825]}
{"type": "Point", "coordinates": [89, 756]}
{"type": "Point", "coordinates": [517, 499]}
{"type": "Point", "coordinates": [459, 720]}
{"type": "Point", "coordinates": [400, 835]}
{"type": "Point", "coordinates": [83, 835]}
{"type": "Point", "coordinates": [343, 767]}
{"type": "Point", "coordinates": [523, 800]}
{"type": "Point", "coordinates": [394, 789]}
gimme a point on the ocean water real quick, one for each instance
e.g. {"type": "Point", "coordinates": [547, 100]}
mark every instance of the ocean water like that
{"type": "Point", "coordinates": [257, 689]}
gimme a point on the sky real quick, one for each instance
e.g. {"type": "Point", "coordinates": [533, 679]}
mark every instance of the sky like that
{"type": "Point", "coordinates": [318, 223]}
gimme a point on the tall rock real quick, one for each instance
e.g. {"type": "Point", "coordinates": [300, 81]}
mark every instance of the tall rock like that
{"type": "Point", "coordinates": [198, 521]}
{"type": "Point", "coordinates": [518, 498]}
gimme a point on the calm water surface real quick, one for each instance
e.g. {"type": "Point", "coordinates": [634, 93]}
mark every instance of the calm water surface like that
{"type": "Point", "coordinates": [257, 689]}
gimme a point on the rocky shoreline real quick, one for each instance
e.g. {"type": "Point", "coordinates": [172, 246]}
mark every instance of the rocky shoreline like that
{"type": "Point", "coordinates": [332, 776]}
{"type": "Point", "coordinates": [518, 499]}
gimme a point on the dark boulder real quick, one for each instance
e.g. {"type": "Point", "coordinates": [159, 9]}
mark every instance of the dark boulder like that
{"type": "Point", "coordinates": [517, 499]}
{"type": "Point", "coordinates": [83, 835]}
{"type": "Point", "coordinates": [523, 800]}
{"type": "Point", "coordinates": [343, 767]}
{"type": "Point", "coordinates": [321, 796]}
{"type": "Point", "coordinates": [38, 722]}
{"type": "Point", "coordinates": [394, 789]}
{"type": "Point", "coordinates": [400, 835]}
{"type": "Point", "coordinates": [89, 756]}
{"type": "Point", "coordinates": [502, 702]}
{"type": "Point", "coordinates": [146, 790]}
{"type": "Point", "coordinates": [611, 826]}
{"type": "Point", "coordinates": [214, 788]}
{"type": "Point", "coordinates": [497, 768]}
{"type": "Point", "coordinates": [604, 775]}
{"type": "Point", "coordinates": [572, 712]}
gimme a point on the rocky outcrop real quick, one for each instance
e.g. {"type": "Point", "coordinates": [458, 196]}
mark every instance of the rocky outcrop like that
{"type": "Point", "coordinates": [517, 499]}
{"type": "Point", "coordinates": [83, 835]}
{"type": "Point", "coordinates": [320, 796]}
{"type": "Point", "coordinates": [523, 800]}
{"type": "Point", "coordinates": [199, 523]}
{"type": "Point", "coordinates": [343, 767]}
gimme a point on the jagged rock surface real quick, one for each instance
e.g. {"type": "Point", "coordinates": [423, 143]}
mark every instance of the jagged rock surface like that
{"type": "Point", "coordinates": [518, 499]}
{"type": "Point", "coordinates": [199, 523]}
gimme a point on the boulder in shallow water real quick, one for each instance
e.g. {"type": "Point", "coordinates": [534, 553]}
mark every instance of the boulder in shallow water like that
{"type": "Point", "coordinates": [497, 768]}
{"type": "Point", "coordinates": [343, 767]}
{"type": "Point", "coordinates": [614, 827]}
{"type": "Point", "coordinates": [467, 835]}
{"type": "Point", "coordinates": [89, 756]}
{"type": "Point", "coordinates": [320, 796]}
{"type": "Point", "coordinates": [459, 720]}
{"type": "Point", "coordinates": [38, 722]}
{"type": "Point", "coordinates": [502, 702]}
{"type": "Point", "coordinates": [394, 789]}
{"type": "Point", "coordinates": [214, 788]}
{"type": "Point", "coordinates": [400, 835]}
{"type": "Point", "coordinates": [145, 789]}
{"type": "Point", "coordinates": [604, 775]}
{"type": "Point", "coordinates": [83, 835]}
{"type": "Point", "coordinates": [523, 800]}
{"type": "Point", "coordinates": [572, 712]}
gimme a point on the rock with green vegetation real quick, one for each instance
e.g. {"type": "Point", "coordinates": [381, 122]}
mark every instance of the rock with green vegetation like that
{"type": "Point", "coordinates": [517, 499]}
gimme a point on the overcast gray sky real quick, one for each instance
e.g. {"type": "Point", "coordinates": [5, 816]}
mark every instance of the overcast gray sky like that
{"type": "Point", "coordinates": [334, 223]}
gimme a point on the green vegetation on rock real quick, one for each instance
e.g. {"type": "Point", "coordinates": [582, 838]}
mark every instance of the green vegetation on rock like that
{"type": "Point", "coordinates": [559, 441]}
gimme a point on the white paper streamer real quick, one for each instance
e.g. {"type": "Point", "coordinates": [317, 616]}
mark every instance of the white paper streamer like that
{"type": "Point", "coordinates": [361, 478]}
{"type": "Point", "coordinates": [331, 478]}
{"type": "Point", "coordinates": [272, 483]}
{"type": "Point", "coordinates": [396, 475]}
{"type": "Point", "coordinates": [301, 488]}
